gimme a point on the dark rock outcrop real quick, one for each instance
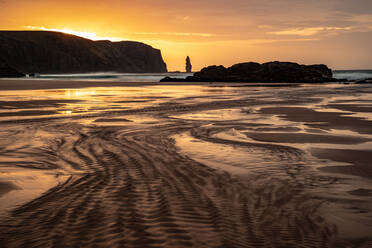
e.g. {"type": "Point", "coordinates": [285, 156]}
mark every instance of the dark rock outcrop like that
{"type": "Point", "coordinates": [8, 72]}
{"type": "Point", "coordinates": [272, 72]}
{"type": "Point", "coordinates": [53, 52]}
{"type": "Point", "coordinates": [188, 64]}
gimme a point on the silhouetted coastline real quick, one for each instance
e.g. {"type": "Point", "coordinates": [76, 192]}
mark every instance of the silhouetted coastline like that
{"type": "Point", "coordinates": [271, 72]}
{"type": "Point", "coordinates": [53, 52]}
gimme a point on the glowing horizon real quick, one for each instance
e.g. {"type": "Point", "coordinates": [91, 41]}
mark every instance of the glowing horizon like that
{"type": "Point", "coordinates": [87, 35]}
{"type": "Point", "coordinates": [332, 32]}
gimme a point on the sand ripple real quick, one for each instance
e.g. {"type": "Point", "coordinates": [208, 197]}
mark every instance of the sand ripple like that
{"type": "Point", "coordinates": [156, 176]}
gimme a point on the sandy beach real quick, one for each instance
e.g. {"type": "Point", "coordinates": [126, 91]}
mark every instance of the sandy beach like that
{"type": "Point", "coordinates": [105, 164]}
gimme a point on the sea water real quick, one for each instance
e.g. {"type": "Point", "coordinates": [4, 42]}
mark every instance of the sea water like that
{"type": "Point", "coordinates": [156, 77]}
{"type": "Point", "coordinates": [111, 76]}
{"type": "Point", "coordinates": [352, 74]}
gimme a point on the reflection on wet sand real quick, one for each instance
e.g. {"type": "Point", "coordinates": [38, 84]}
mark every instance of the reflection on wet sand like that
{"type": "Point", "coordinates": [177, 166]}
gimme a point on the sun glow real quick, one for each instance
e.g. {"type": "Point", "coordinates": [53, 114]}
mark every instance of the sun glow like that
{"type": "Point", "coordinates": [87, 35]}
{"type": "Point", "coordinates": [79, 93]}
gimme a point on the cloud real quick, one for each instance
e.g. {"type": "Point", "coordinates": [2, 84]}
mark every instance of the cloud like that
{"type": "Point", "coordinates": [362, 18]}
{"type": "Point", "coordinates": [94, 36]}
{"type": "Point", "coordinates": [176, 34]}
{"type": "Point", "coordinates": [310, 31]}
{"type": "Point", "coordinates": [264, 41]}
{"type": "Point", "coordinates": [233, 41]}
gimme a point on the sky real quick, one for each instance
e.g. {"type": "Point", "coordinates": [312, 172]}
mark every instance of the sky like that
{"type": "Point", "coordinates": [333, 32]}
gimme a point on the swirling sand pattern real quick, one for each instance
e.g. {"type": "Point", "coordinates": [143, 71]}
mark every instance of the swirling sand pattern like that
{"type": "Point", "coordinates": [131, 185]}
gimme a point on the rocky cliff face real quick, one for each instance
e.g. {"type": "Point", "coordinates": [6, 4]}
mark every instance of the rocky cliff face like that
{"type": "Point", "coordinates": [53, 52]}
{"type": "Point", "coordinates": [8, 72]}
{"type": "Point", "coordinates": [268, 72]}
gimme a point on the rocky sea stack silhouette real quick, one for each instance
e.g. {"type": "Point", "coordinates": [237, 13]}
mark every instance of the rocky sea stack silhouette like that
{"type": "Point", "coordinates": [188, 64]}
{"type": "Point", "coordinates": [54, 52]}
{"type": "Point", "coordinates": [273, 72]}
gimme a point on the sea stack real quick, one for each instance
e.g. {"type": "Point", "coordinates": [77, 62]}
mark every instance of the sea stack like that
{"type": "Point", "coordinates": [188, 64]}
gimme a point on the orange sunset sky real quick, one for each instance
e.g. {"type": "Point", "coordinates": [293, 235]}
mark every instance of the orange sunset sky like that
{"type": "Point", "coordinates": [335, 32]}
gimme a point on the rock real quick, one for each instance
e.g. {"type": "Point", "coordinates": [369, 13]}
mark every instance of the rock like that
{"type": "Point", "coordinates": [8, 72]}
{"type": "Point", "coordinates": [245, 69]}
{"type": "Point", "coordinates": [167, 79]}
{"type": "Point", "coordinates": [273, 72]}
{"type": "Point", "coordinates": [188, 64]}
{"type": "Point", "coordinates": [214, 73]}
{"type": "Point", "coordinates": [170, 79]}
{"type": "Point", "coordinates": [53, 52]}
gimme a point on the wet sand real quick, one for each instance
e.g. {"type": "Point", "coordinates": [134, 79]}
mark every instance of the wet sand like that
{"type": "Point", "coordinates": [175, 165]}
{"type": "Point", "coordinates": [6, 187]}
{"type": "Point", "coordinates": [360, 159]}
{"type": "Point", "coordinates": [27, 84]}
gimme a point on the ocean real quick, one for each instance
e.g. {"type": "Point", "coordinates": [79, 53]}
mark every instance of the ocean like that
{"type": "Point", "coordinates": [352, 74]}
{"type": "Point", "coordinates": [156, 77]}
{"type": "Point", "coordinates": [112, 76]}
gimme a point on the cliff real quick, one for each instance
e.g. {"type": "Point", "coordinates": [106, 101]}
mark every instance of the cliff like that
{"type": "Point", "coordinates": [268, 72]}
{"type": "Point", "coordinates": [7, 72]}
{"type": "Point", "coordinates": [53, 52]}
